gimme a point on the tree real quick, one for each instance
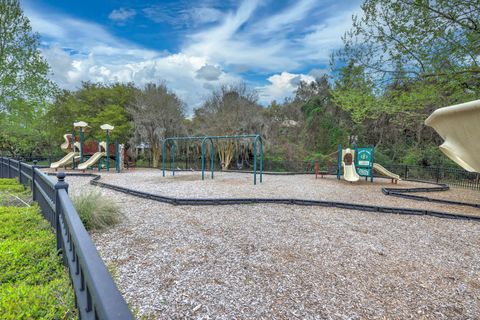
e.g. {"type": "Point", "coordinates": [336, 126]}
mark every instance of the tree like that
{"type": "Point", "coordinates": [24, 84]}
{"type": "Point", "coordinates": [322, 130]}
{"type": "Point", "coordinates": [23, 70]}
{"type": "Point", "coordinates": [401, 60]}
{"type": "Point", "coordinates": [427, 39]}
{"type": "Point", "coordinates": [230, 110]}
{"type": "Point", "coordinates": [95, 104]}
{"type": "Point", "coordinates": [157, 113]}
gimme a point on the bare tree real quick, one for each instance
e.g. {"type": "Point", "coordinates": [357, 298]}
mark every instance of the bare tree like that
{"type": "Point", "coordinates": [230, 110]}
{"type": "Point", "coordinates": [157, 113]}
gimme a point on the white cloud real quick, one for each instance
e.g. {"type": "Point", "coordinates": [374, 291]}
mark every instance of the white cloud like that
{"type": "Point", "coordinates": [234, 42]}
{"type": "Point", "coordinates": [203, 15]}
{"type": "Point", "coordinates": [122, 14]}
{"type": "Point", "coordinates": [83, 51]}
{"type": "Point", "coordinates": [208, 72]}
{"type": "Point", "coordinates": [286, 18]}
{"type": "Point", "coordinates": [317, 73]}
{"type": "Point", "coordinates": [325, 36]}
{"type": "Point", "coordinates": [283, 41]}
{"type": "Point", "coordinates": [281, 86]}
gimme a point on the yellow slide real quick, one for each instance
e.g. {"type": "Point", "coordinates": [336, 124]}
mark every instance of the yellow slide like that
{"type": "Point", "coordinates": [384, 172]}
{"type": "Point", "coordinates": [64, 146]}
{"type": "Point", "coordinates": [67, 160]}
{"type": "Point", "coordinates": [459, 126]}
{"type": "Point", "coordinates": [349, 171]}
{"type": "Point", "coordinates": [93, 159]}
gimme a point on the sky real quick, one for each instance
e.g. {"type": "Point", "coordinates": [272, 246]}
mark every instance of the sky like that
{"type": "Point", "coordinates": [193, 46]}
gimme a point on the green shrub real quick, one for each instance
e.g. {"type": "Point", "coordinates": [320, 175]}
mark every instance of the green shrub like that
{"type": "Point", "coordinates": [8, 182]}
{"type": "Point", "coordinates": [12, 193]}
{"type": "Point", "coordinates": [11, 187]}
{"type": "Point", "coordinates": [33, 282]}
{"type": "Point", "coordinates": [96, 211]}
{"type": "Point", "coordinates": [21, 223]}
{"type": "Point", "coordinates": [52, 300]}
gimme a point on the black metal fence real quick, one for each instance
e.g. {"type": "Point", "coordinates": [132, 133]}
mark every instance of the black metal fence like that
{"type": "Point", "coordinates": [452, 176]}
{"type": "Point", "coordinates": [96, 295]}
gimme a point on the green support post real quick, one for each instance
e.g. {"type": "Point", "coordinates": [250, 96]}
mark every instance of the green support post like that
{"type": "Point", "coordinates": [163, 157]}
{"type": "Point", "coordinates": [117, 156]}
{"type": "Point", "coordinates": [255, 162]}
{"type": "Point", "coordinates": [73, 148]}
{"type": "Point", "coordinates": [373, 161]}
{"type": "Point", "coordinates": [173, 159]}
{"type": "Point", "coordinates": [212, 155]}
{"type": "Point", "coordinates": [339, 161]}
{"type": "Point", "coordinates": [81, 144]}
{"type": "Point", "coordinates": [99, 150]}
{"type": "Point", "coordinates": [107, 154]}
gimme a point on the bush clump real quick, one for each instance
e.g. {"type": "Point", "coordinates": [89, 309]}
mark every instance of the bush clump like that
{"type": "Point", "coordinates": [14, 194]}
{"type": "Point", "coordinates": [8, 182]}
{"type": "Point", "coordinates": [33, 282]}
{"type": "Point", "coordinates": [96, 210]}
{"type": "Point", "coordinates": [11, 187]}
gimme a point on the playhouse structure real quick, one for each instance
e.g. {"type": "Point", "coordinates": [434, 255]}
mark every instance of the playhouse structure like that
{"type": "Point", "coordinates": [83, 155]}
{"type": "Point", "coordinates": [359, 162]}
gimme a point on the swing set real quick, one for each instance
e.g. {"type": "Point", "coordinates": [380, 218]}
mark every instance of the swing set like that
{"type": "Point", "coordinates": [257, 141]}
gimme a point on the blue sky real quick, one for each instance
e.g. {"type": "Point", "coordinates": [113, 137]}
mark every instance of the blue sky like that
{"type": "Point", "coordinates": [193, 46]}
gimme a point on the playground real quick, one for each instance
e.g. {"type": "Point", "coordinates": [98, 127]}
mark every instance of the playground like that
{"type": "Point", "coordinates": [354, 241]}
{"type": "Point", "coordinates": [285, 261]}
{"type": "Point", "coordinates": [188, 184]}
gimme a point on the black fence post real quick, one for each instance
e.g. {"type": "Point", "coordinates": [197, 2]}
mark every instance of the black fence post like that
{"type": "Point", "coordinates": [406, 172]}
{"type": "Point", "coordinates": [34, 197]}
{"type": "Point", "coordinates": [438, 175]}
{"type": "Point", "coordinates": [8, 166]}
{"type": "Point", "coordinates": [61, 184]}
{"type": "Point", "coordinates": [19, 171]}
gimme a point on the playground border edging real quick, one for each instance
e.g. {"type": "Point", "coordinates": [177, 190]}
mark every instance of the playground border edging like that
{"type": "Point", "coordinates": [398, 192]}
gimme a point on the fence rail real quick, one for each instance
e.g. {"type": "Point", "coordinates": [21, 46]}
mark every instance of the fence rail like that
{"type": "Point", "coordinates": [96, 295]}
{"type": "Point", "coordinates": [452, 176]}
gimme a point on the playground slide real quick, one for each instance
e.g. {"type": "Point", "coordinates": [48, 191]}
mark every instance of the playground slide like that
{"type": "Point", "coordinates": [90, 162]}
{"type": "Point", "coordinates": [384, 172]}
{"type": "Point", "coordinates": [64, 161]}
{"type": "Point", "coordinates": [64, 146]}
{"type": "Point", "coordinates": [458, 125]}
{"type": "Point", "coordinates": [350, 173]}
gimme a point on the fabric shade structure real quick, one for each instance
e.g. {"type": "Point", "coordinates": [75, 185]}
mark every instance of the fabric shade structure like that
{"type": "Point", "coordinates": [459, 126]}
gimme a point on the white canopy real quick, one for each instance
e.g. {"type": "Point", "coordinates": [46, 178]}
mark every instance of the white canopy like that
{"type": "Point", "coordinates": [80, 124]}
{"type": "Point", "coordinates": [106, 126]}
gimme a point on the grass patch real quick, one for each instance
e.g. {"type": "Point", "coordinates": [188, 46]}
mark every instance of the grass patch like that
{"type": "Point", "coordinates": [96, 210]}
{"type": "Point", "coordinates": [13, 193]}
{"type": "Point", "coordinates": [11, 187]}
{"type": "Point", "coordinates": [33, 282]}
{"type": "Point", "coordinates": [8, 182]}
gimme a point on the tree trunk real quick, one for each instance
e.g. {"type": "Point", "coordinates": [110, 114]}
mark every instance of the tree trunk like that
{"type": "Point", "coordinates": [155, 155]}
{"type": "Point", "coordinates": [226, 150]}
